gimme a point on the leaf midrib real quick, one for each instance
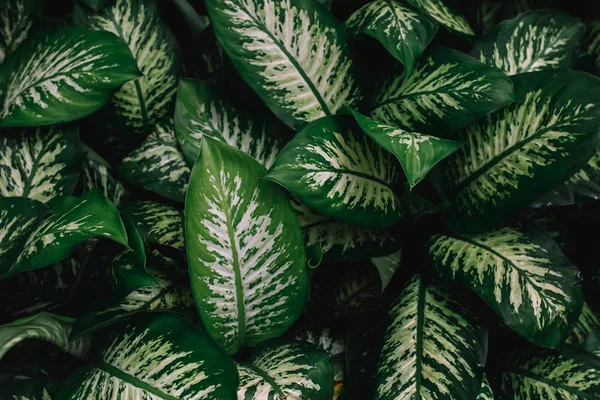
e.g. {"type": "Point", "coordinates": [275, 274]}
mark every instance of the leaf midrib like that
{"type": "Point", "coordinates": [549, 382]}
{"type": "Point", "coordinates": [267, 378]}
{"type": "Point", "coordinates": [416, 94]}
{"type": "Point", "coordinates": [355, 173]}
{"type": "Point", "coordinates": [419, 339]}
{"type": "Point", "coordinates": [35, 166]}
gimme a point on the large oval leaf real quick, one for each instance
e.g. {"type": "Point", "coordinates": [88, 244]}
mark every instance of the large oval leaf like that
{"type": "Point", "coordinates": [444, 15]}
{"type": "Point", "coordinates": [533, 41]}
{"type": "Point", "coordinates": [520, 273]}
{"type": "Point", "coordinates": [39, 163]}
{"type": "Point", "coordinates": [446, 91]}
{"type": "Point", "coordinates": [293, 53]}
{"type": "Point", "coordinates": [333, 167]}
{"type": "Point", "coordinates": [156, 357]}
{"type": "Point", "coordinates": [62, 76]}
{"type": "Point", "coordinates": [432, 347]}
{"type": "Point", "coordinates": [286, 370]}
{"type": "Point", "coordinates": [16, 23]}
{"type": "Point", "coordinates": [520, 152]}
{"type": "Point", "coordinates": [245, 249]}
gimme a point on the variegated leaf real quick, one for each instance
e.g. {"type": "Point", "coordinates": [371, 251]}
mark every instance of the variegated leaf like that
{"type": "Point", "coordinates": [39, 163]}
{"type": "Point", "coordinates": [588, 322]}
{"type": "Point", "coordinates": [158, 164]}
{"type": "Point", "coordinates": [62, 76]}
{"type": "Point", "coordinates": [592, 42]}
{"type": "Point", "coordinates": [332, 167]}
{"type": "Point", "coordinates": [491, 12]}
{"type": "Point", "coordinates": [16, 23]}
{"type": "Point", "coordinates": [417, 153]}
{"type": "Point", "coordinates": [403, 32]}
{"type": "Point", "coordinates": [202, 109]}
{"type": "Point", "coordinates": [293, 53]}
{"type": "Point", "coordinates": [158, 223]}
{"type": "Point", "coordinates": [286, 370]}
{"type": "Point", "coordinates": [29, 390]}
{"type": "Point", "coordinates": [387, 266]}
{"type": "Point", "coordinates": [521, 273]}
{"type": "Point", "coordinates": [515, 155]}
{"type": "Point", "coordinates": [444, 15]}
{"type": "Point", "coordinates": [160, 357]}
{"type": "Point", "coordinates": [97, 173]}
{"type": "Point", "coordinates": [446, 91]}
{"type": "Point", "coordinates": [572, 374]}
{"type": "Point", "coordinates": [245, 250]}
{"type": "Point", "coordinates": [485, 392]}
{"type": "Point", "coordinates": [432, 349]}
{"type": "Point", "coordinates": [142, 103]}
{"type": "Point", "coordinates": [533, 41]}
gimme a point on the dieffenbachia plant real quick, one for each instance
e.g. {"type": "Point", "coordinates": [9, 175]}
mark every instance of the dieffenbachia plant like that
{"type": "Point", "coordinates": [299, 200]}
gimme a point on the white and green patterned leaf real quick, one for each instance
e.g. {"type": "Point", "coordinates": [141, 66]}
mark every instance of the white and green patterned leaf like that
{"type": "Point", "coordinates": [521, 273]}
{"type": "Point", "coordinates": [202, 109]}
{"type": "Point", "coordinates": [592, 42]}
{"type": "Point", "coordinates": [245, 250]}
{"type": "Point", "coordinates": [485, 392]}
{"type": "Point", "coordinates": [158, 223]}
{"type": "Point", "coordinates": [446, 91]}
{"type": "Point", "coordinates": [432, 349]}
{"type": "Point", "coordinates": [417, 153]}
{"type": "Point", "coordinates": [142, 103]}
{"type": "Point", "coordinates": [533, 41]}
{"type": "Point", "coordinates": [403, 32]}
{"type": "Point", "coordinates": [515, 155]}
{"type": "Point", "coordinates": [16, 23]}
{"type": "Point", "coordinates": [588, 322]}
{"type": "Point", "coordinates": [293, 53]}
{"type": "Point", "coordinates": [332, 167]}
{"type": "Point", "coordinates": [387, 266]}
{"type": "Point", "coordinates": [444, 15]}
{"type": "Point", "coordinates": [39, 163]}
{"type": "Point", "coordinates": [159, 357]}
{"type": "Point", "coordinates": [286, 370]}
{"type": "Point", "coordinates": [62, 76]}
{"type": "Point", "coordinates": [97, 173]}
{"type": "Point", "coordinates": [158, 164]}
{"type": "Point", "coordinates": [29, 389]}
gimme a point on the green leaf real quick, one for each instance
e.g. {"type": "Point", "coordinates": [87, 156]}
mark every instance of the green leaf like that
{"type": "Point", "coordinates": [417, 153]}
{"type": "Point", "coordinates": [533, 41]}
{"type": "Point", "coordinates": [142, 103]}
{"type": "Point", "coordinates": [332, 167]}
{"type": "Point", "coordinates": [93, 4]}
{"type": "Point", "coordinates": [593, 42]}
{"type": "Point", "coordinates": [293, 53]}
{"type": "Point", "coordinates": [485, 392]}
{"type": "Point", "coordinates": [515, 155]}
{"type": "Point", "coordinates": [245, 250]}
{"type": "Point", "coordinates": [202, 109]}
{"type": "Point", "coordinates": [33, 237]}
{"type": "Point", "coordinates": [521, 273]}
{"type": "Point", "coordinates": [39, 163]}
{"type": "Point", "coordinates": [403, 32]}
{"type": "Point", "coordinates": [16, 23]}
{"type": "Point", "coordinates": [446, 91]}
{"type": "Point", "coordinates": [97, 173]}
{"type": "Point", "coordinates": [29, 389]}
{"type": "Point", "coordinates": [286, 369]}
{"type": "Point", "coordinates": [158, 356]}
{"type": "Point", "coordinates": [158, 223]}
{"type": "Point", "coordinates": [62, 76]}
{"type": "Point", "coordinates": [444, 15]}
{"type": "Point", "coordinates": [588, 322]}
{"type": "Point", "coordinates": [432, 347]}
{"type": "Point", "coordinates": [158, 164]}
{"type": "Point", "coordinates": [386, 266]}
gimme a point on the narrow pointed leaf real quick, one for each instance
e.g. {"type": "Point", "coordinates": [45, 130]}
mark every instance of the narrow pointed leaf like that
{"type": "Point", "coordinates": [158, 164]}
{"type": "Point", "coordinates": [403, 32]}
{"type": "Point", "coordinates": [521, 273]}
{"type": "Point", "coordinates": [588, 322]}
{"type": "Point", "coordinates": [97, 173]}
{"type": "Point", "coordinates": [62, 76]}
{"type": "Point", "coordinates": [158, 223]}
{"type": "Point", "coordinates": [533, 41]}
{"type": "Point", "coordinates": [294, 370]}
{"type": "Point", "coordinates": [432, 347]}
{"type": "Point", "coordinates": [332, 167]}
{"type": "Point", "coordinates": [301, 80]}
{"type": "Point", "coordinates": [445, 92]}
{"type": "Point", "coordinates": [16, 23]}
{"type": "Point", "coordinates": [417, 153]}
{"type": "Point", "coordinates": [444, 15]}
{"type": "Point", "coordinates": [158, 356]}
{"type": "Point", "coordinates": [515, 155]}
{"type": "Point", "coordinates": [387, 266]}
{"type": "Point", "coordinates": [245, 249]}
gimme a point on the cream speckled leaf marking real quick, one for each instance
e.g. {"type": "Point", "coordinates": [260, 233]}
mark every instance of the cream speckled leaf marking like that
{"type": "Point", "coordinates": [593, 41]}
{"type": "Point", "coordinates": [533, 41]}
{"type": "Point", "coordinates": [293, 53]}
{"type": "Point", "coordinates": [158, 223]}
{"type": "Point", "coordinates": [245, 249]}
{"type": "Point", "coordinates": [16, 22]}
{"type": "Point", "coordinates": [515, 155]}
{"type": "Point", "coordinates": [332, 167]}
{"type": "Point", "coordinates": [202, 109]}
{"type": "Point", "coordinates": [486, 392]}
{"type": "Point", "coordinates": [403, 32]}
{"type": "Point", "coordinates": [39, 163]}
{"type": "Point", "coordinates": [158, 164]}
{"type": "Point", "coordinates": [97, 173]}
{"type": "Point", "coordinates": [142, 103]}
{"type": "Point", "coordinates": [287, 370]}
{"type": "Point", "coordinates": [444, 16]}
{"type": "Point", "coordinates": [62, 76]}
{"type": "Point", "coordinates": [446, 91]}
{"type": "Point", "coordinates": [588, 322]}
{"type": "Point", "coordinates": [521, 273]}
{"type": "Point", "coordinates": [417, 153]}
{"type": "Point", "coordinates": [432, 347]}
{"type": "Point", "coordinates": [155, 357]}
